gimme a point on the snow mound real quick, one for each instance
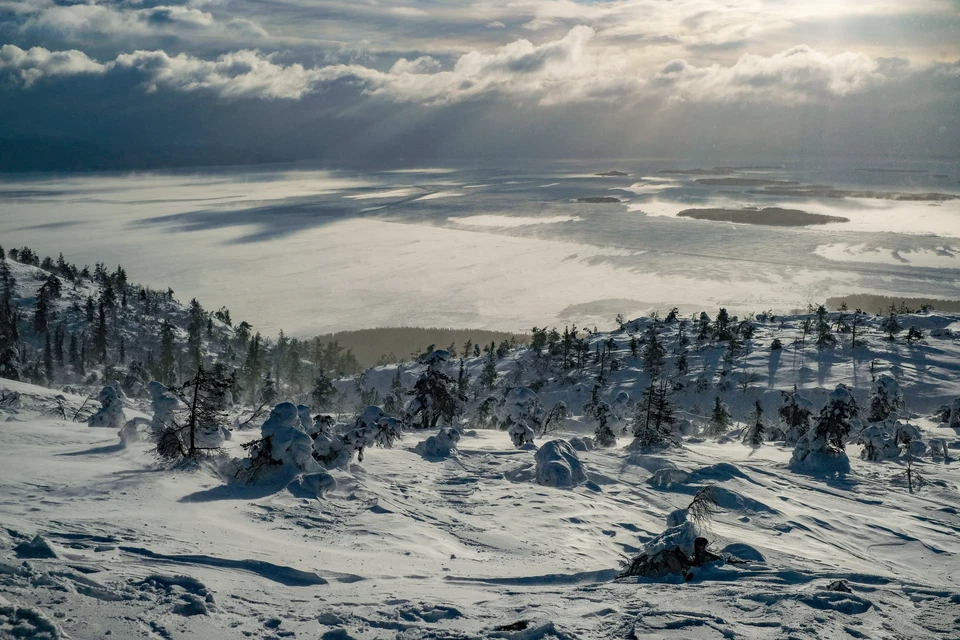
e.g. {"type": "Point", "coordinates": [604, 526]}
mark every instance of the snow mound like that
{"type": "Point", "coordinates": [442, 445]}
{"type": "Point", "coordinates": [36, 548]}
{"type": "Point", "coordinates": [26, 622]}
{"type": "Point", "coordinates": [559, 466]}
{"type": "Point", "coordinates": [582, 444]}
{"type": "Point", "coordinates": [743, 551]}
{"type": "Point", "coordinates": [312, 485]}
{"type": "Point", "coordinates": [718, 472]}
{"type": "Point", "coordinates": [668, 478]}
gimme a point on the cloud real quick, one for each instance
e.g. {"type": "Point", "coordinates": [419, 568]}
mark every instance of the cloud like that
{"type": "Point", "coordinates": [800, 74]}
{"type": "Point", "coordinates": [564, 70]}
{"type": "Point", "coordinates": [35, 63]}
{"type": "Point", "coordinates": [77, 21]}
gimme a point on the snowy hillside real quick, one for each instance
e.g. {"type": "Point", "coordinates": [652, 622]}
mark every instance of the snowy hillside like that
{"type": "Point", "coordinates": [471, 536]}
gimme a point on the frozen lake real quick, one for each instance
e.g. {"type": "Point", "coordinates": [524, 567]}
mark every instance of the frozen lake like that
{"type": "Point", "coordinates": [312, 251]}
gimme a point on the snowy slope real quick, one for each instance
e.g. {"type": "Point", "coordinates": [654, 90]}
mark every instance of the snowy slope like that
{"type": "Point", "coordinates": [472, 547]}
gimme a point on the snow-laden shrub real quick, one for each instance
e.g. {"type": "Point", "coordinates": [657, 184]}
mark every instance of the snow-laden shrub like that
{"type": "Point", "coordinates": [520, 434]}
{"type": "Point", "coordinates": [372, 428]}
{"type": "Point", "coordinates": [163, 403]}
{"type": "Point", "coordinates": [605, 435]}
{"type": "Point", "coordinates": [110, 413]}
{"type": "Point", "coordinates": [622, 407]}
{"type": "Point", "coordinates": [877, 444]}
{"type": "Point", "coordinates": [886, 398]}
{"type": "Point", "coordinates": [322, 423]}
{"type": "Point", "coordinates": [795, 413]}
{"type": "Point", "coordinates": [558, 465]}
{"type": "Point", "coordinates": [442, 445]}
{"type": "Point", "coordinates": [521, 405]}
{"type": "Point", "coordinates": [954, 421]}
{"type": "Point", "coordinates": [821, 450]}
{"type": "Point", "coordinates": [289, 443]}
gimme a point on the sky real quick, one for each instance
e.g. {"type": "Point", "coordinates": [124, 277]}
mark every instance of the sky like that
{"type": "Point", "coordinates": [404, 83]}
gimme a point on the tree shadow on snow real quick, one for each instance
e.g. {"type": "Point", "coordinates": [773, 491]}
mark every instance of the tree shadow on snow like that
{"type": "Point", "coordinates": [96, 451]}
{"type": "Point", "coordinates": [234, 492]}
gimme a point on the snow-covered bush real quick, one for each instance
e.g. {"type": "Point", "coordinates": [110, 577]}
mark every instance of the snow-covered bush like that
{"type": "Point", "coordinates": [163, 403]}
{"type": "Point", "coordinates": [605, 435]}
{"type": "Point", "coordinates": [795, 413]}
{"type": "Point", "coordinates": [888, 440]}
{"type": "Point", "coordinates": [558, 465]}
{"type": "Point", "coordinates": [289, 443]}
{"type": "Point", "coordinates": [283, 448]}
{"type": "Point", "coordinates": [521, 405]}
{"type": "Point", "coordinates": [110, 413]}
{"type": "Point", "coordinates": [886, 398]}
{"type": "Point", "coordinates": [821, 450]}
{"type": "Point", "coordinates": [877, 444]}
{"type": "Point", "coordinates": [954, 421]}
{"type": "Point", "coordinates": [372, 428]}
{"type": "Point", "coordinates": [520, 434]}
{"type": "Point", "coordinates": [442, 445]}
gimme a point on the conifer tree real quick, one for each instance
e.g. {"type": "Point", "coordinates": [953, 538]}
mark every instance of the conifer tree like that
{"type": "Point", "coordinates": [654, 355]}
{"type": "Point", "coordinates": [323, 391]}
{"type": "Point", "coordinates": [168, 359]}
{"type": "Point", "coordinates": [100, 334]}
{"type": "Point", "coordinates": [753, 435]}
{"type": "Point", "coordinates": [720, 418]}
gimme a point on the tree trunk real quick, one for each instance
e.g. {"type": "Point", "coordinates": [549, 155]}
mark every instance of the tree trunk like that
{"type": "Point", "coordinates": [193, 412]}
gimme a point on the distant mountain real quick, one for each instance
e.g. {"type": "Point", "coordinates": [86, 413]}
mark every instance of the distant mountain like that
{"type": "Point", "coordinates": [55, 153]}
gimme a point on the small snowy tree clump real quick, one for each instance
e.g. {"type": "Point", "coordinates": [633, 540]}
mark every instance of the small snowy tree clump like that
{"type": "Point", "coordinates": [521, 435]}
{"type": "Point", "coordinates": [607, 425]}
{"type": "Point", "coordinates": [372, 428]}
{"type": "Point", "coordinates": [954, 420]}
{"type": "Point", "coordinates": [289, 443]}
{"type": "Point", "coordinates": [558, 465]}
{"type": "Point", "coordinates": [886, 399]}
{"type": "Point", "coordinates": [110, 413]}
{"type": "Point", "coordinates": [822, 449]}
{"type": "Point", "coordinates": [521, 405]}
{"type": "Point", "coordinates": [795, 413]}
{"type": "Point", "coordinates": [442, 445]}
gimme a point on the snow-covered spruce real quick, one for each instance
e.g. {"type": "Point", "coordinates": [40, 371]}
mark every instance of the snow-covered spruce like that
{"type": "Point", "coordinates": [558, 465]}
{"type": "Point", "coordinates": [283, 448]}
{"type": "Point", "coordinates": [435, 394]}
{"type": "Point", "coordinates": [795, 413]}
{"type": "Point", "coordinates": [110, 413]}
{"type": "Point", "coordinates": [442, 445]}
{"type": "Point", "coordinates": [822, 449]}
{"type": "Point", "coordinates": [886, 398]}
